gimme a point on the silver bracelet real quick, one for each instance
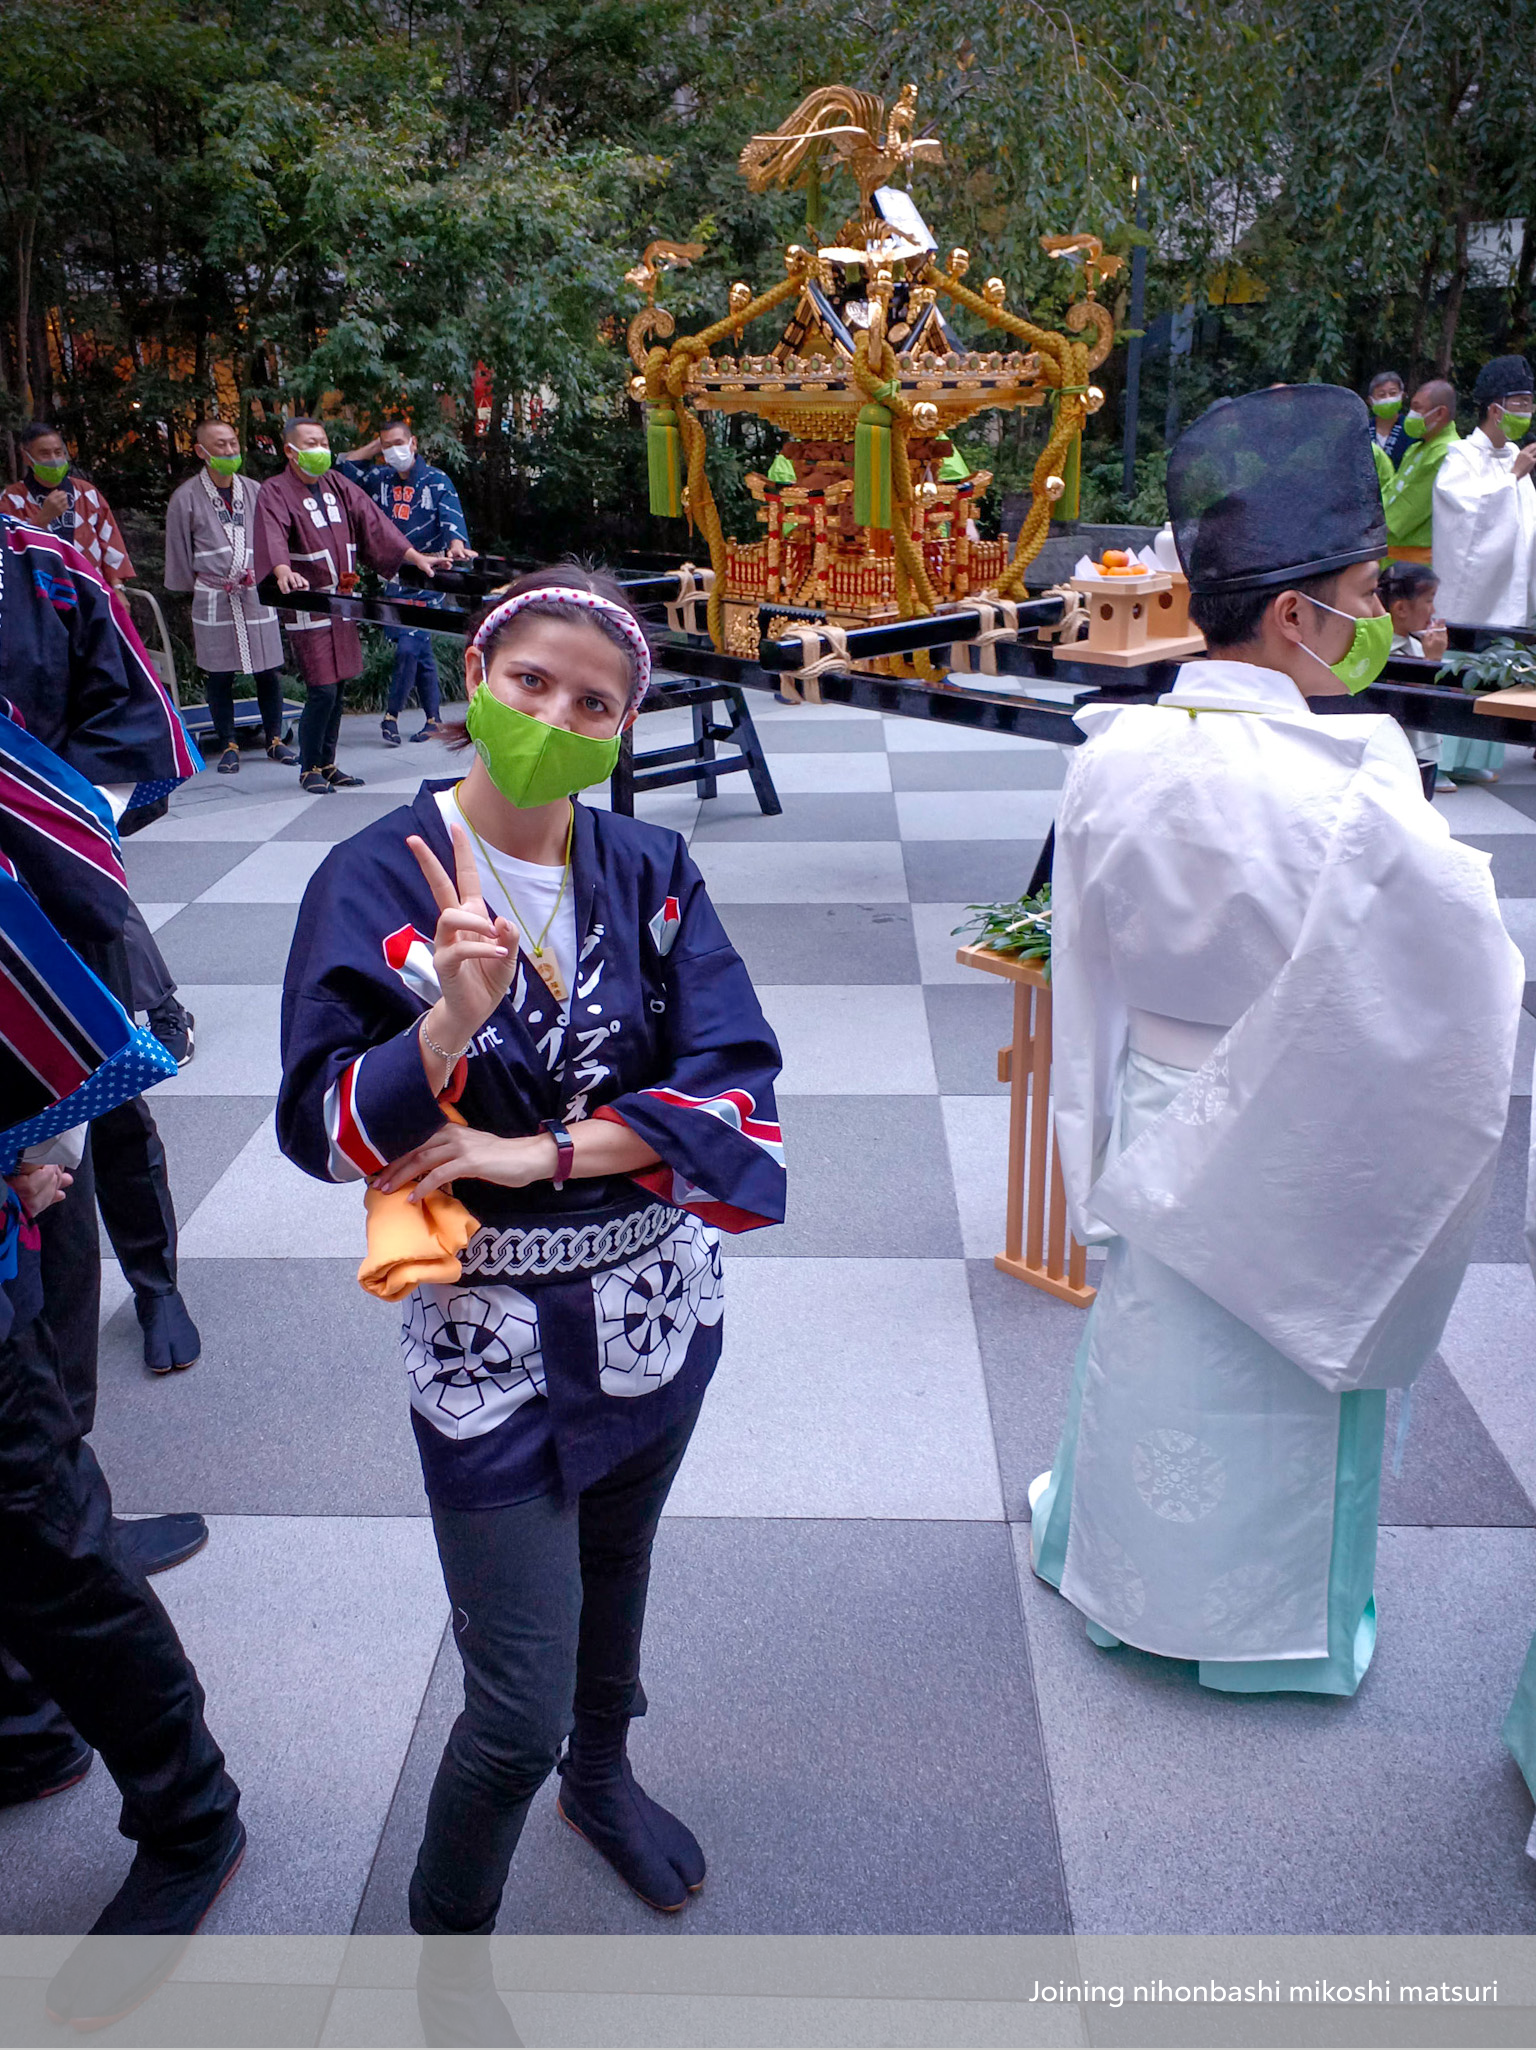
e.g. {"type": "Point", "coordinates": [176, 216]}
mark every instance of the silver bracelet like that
{"type": "Point", "coordinates": [442, 1052]}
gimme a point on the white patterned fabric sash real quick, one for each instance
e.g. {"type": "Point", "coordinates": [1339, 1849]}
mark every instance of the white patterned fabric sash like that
{"type": "Point", "coordinates": [540, 1252]}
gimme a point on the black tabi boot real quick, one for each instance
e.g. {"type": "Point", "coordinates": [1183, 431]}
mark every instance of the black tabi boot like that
{"type": "Point", "coordinates": [600, 1798]}
{"type": "Point", "coordinates": [456, 1994]}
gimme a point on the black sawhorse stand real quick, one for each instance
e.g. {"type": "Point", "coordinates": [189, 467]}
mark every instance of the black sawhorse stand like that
{"type": "Point", "coordinates": [696, 762]}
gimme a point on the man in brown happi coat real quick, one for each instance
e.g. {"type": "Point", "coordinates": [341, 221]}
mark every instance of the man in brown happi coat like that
{"type": "Point", "coordinates": [312, 528]}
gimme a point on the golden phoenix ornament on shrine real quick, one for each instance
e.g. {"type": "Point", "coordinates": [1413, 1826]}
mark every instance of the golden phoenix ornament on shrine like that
{"type": "Point", "coordinates": [868, 507]}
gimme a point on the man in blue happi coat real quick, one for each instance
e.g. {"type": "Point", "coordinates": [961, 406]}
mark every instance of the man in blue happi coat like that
{"type": "Point", "coordinates": [426, 509]}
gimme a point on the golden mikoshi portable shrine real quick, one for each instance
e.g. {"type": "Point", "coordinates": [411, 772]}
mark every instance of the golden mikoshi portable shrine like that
{"type": "Point", "coordinates": [868, 509]}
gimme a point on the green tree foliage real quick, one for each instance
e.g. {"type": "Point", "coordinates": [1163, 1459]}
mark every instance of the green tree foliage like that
{"type": "Point", "coordinates": [355, 203]}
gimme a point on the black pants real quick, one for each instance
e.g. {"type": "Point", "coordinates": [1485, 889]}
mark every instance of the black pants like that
{"type": "Point", "coordinates": [220, 691]}
{"type": "Point", "coordinates": [149, 979]}
{"type": "Point", "coordinates": [319, 725]}
{"type": "Point", "coordinates": [84, 1643]}
{"type": "Point", "coordinates": [548, 1607]}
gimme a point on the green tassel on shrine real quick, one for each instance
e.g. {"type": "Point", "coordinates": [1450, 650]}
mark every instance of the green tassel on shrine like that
{"type": "Point", "coordinates": [872, 467]}
{"type": "Point", "coordinates": [664, 461]}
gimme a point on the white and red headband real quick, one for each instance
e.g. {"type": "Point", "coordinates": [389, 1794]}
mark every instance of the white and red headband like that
{"type": "Point", "coordinates": [564, 594]}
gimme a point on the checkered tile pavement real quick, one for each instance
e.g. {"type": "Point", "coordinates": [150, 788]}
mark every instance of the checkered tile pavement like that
{"type": "Point", "coordinates": [874, 1717]}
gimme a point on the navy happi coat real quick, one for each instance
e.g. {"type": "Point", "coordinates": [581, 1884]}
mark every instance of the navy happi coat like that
{"type": "Point", "coordinates": [588, 1318]}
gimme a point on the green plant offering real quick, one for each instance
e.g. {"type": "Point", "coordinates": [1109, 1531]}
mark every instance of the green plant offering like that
{"type": "Point", "coordinates": [1021, 928]}
{"type": "Point", "coordinates": [1503, 665]}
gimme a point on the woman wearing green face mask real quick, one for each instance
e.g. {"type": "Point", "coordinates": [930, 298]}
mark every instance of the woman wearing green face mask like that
{"type": "Point", "coordinates": [558, 971]}
{"type": "Point", "coordinates": [1385, 397]}
{"type": "Point", "coordinates": [53, 495]}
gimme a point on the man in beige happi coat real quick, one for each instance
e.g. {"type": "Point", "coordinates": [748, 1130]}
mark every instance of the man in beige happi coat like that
{"type": "Point", "coordinates": [210, 550]}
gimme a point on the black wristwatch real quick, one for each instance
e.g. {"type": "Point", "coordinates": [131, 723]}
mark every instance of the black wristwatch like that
{"type": "Point", "coordinates": [565, 1151]}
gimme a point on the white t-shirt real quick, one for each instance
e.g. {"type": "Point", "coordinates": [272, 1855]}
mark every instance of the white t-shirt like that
{"type": "Point", "coordinates": [535, 888]}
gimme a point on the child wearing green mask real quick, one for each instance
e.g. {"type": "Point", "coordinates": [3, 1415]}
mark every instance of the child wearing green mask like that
{"type": "Point", "coordinates": [51, 494]}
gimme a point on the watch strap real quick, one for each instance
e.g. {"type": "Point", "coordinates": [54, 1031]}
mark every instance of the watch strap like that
{"type": "Point", "coordinates": [565, 1150]}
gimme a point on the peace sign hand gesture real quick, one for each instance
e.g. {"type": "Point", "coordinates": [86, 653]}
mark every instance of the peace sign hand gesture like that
{"type": "Point", "coordinates": [474, 954]}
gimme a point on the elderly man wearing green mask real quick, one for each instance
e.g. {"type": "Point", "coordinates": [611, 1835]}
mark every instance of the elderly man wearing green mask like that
{"type": "Point", "coordinates": [313, 527]}
{"type": "Point", "coordinates": [1407, 496]}
{"type": "Point", "coordinates": [52, 494]}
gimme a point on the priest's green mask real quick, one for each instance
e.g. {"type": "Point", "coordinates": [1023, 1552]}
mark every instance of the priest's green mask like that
{"type": "Point", "coordinates": [1365, 658]}
{"type": "Point", "coordinates": [531, 763]}
{"type": "Point", "coordinates": [314, 462]}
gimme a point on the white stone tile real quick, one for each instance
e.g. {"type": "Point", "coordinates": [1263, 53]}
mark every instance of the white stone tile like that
{"type": "Point", "coordinates": [115, 1291]}
{"type": "Point", "coordinates": [278, 873]}
{"type": "Point", "coordinates": [854, 1039]}
{"type": "Point", "coordinates": [767, 710]}
{"type": "Point", "coordinates": [848, 1388]}
{"type": "Point", "coordinates": [1519, 916]}
{"type": "Point", "coordinates": [976, 1128]}
{"type": "Point", "coordinates": [975, 814]}
{"type": "Point", "coordinates": [933, 927]}
{"type": "Point", "coordinates": [156, 915]}
{"type": "Point", "coordinates": [1477, 811]}
{"type": "Point", "coordinates": [927, 736]}
{"type": "Point", "coordinates": [237, 1040]}
{"type": "Point", "coordinates": [796, 775]}
{"type": "Point", "coordinates": [803, 872]}
{"type": "Point", "coordinates": [264, 1208]}
{"type": "Point", "coordinates": [229, 820]}
{"type": "Point", "coordinates": [1490, 1346]}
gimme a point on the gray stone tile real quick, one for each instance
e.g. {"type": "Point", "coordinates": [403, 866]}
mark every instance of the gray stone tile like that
{"type": "Point", "coordinates": [859, 815]}
{"type": "Point", "coordinates": [804, 872]}
{"type": "Point", "coordinates": [1182, 1810]}
{"type": "Point", "coordinates": [882, 1353]}
{"type": "Point", "coordinates": [824, 942]}
{"type": "Point", "coordinates": [202, 1135]}
{"type": "Point", "coordinates": [276, 873]}
{"type": "Point", "coordinates": [967, 1024]}
{"type": "Point", "coordinates": [1521, 796]}
{"type": "Point", "coordinates": [1502, 1233]}
{"type": "Point", "coordinates": [868, 1178]}
{"type": "Point", "coordinates": [1514, 861]}
{"type": "Point", "coordinates": [1489, 1344]}
{"type": "Point", "coordinates": [976, 1128]}
{"type": "Point", "coordinates": [180, 2013]}
{"type": "Point", "coordinates": [950, 815]}
{"type": "Point", "coordinates": [296, 1408]}
{"type": "Point", "coordinates": [346, 812]}
{"type": "Point", "coordinates": [968, 871]}
{"type": "Point", "coordinates": [223, 813]}
{"type": "Point", "coordinates": [855, 1660]}
{"type": "Point", "coordinates": [227, 943]}
{"type": "Point", "coordinates": [284, 1619]}
{"type": "Point", "coordinates": [825, 775]}
{"type": "Point", "coordinates": [178, 871]}
{"type": "Point", "coordinates": [1452, 1472]}
{"type": "Point", "coordinates": [264, 1208]}
{"type": "Point", "coordinates": [1006, 769]}
{"type": "Point", "coordinates": [820, 734]}
{"type": "Point", "coordinates": [237, 1040]}
{"type": "Point", "coordinates": [1028, 1342]}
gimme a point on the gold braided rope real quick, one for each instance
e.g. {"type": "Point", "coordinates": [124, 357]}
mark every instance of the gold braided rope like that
{"type": "Point", "coordinates": [915, 594]}
{"type": "Point", "coordinates": [667, 372]}
{"type": "Point", "coordinates": [1066, 371]}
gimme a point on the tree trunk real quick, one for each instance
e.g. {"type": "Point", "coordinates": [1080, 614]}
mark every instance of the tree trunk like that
{"type": "Point", "coordinates": [1453, 298]}
{"type": "Point", "coordinates": [1517, 316]}
{"type": "Point", "coordinates": [1421, 312]}
{"type": "Point", "coordinates": [24, 235]}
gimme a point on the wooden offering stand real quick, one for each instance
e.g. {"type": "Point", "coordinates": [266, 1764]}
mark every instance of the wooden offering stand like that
{"type": "Point", "coordinates": [1134, 619]}
{"type": "Point", "coordinates": [1037, 1246]}
{"type": "Point", "coordinates": [1519, 702]}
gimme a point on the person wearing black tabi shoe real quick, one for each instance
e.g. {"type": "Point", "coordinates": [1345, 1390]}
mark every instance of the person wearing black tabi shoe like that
{"type": "Point", "coordinates": [534, 1001]}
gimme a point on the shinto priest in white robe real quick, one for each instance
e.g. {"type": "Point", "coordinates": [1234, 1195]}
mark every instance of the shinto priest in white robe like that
{"type": "Point", "coordinates": [1285, 1011]}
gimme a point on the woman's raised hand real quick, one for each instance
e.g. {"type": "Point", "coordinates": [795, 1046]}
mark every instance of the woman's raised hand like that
{"type": "Point", "coordinates": [474, 954]}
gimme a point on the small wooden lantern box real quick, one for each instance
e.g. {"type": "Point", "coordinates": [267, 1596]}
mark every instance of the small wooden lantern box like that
{"type": "Point", "coordinates": [1133, 620]}
{"type": "Point", "coordinates": [1037, 1246]}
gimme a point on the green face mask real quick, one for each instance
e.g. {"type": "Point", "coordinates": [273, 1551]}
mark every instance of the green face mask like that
{"type": "Point", "coordinates": [531, 763]}
{"type": "Point", "coordinates": [314, 462]}
{"type": "Point", "coordinates": [1367, 653]}
{"type": "Point", "coordinates": [1413, 426]}
{"type": "Point", "coordinates": [1516, 425]}
{"type": "Point", "coordinates": [51, 474]}
{"type": "Point", "coordinates": [1386, 409]}
{"type": "Point", "coordinates": [224, 466]}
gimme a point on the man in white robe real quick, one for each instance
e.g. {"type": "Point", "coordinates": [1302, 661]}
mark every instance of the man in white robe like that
{"type": "Point", "coordinates": [1285, 1011]}
{"type": "Point", "coordinates": [1485, 506]}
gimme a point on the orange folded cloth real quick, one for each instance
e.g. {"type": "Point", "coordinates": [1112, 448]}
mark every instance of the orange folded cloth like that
{"type": "Point", "coordinates": [409, 1243]}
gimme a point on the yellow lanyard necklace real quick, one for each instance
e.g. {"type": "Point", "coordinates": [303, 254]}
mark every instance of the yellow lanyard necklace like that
{"type": "Point", "coordinates": [546, 969]}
